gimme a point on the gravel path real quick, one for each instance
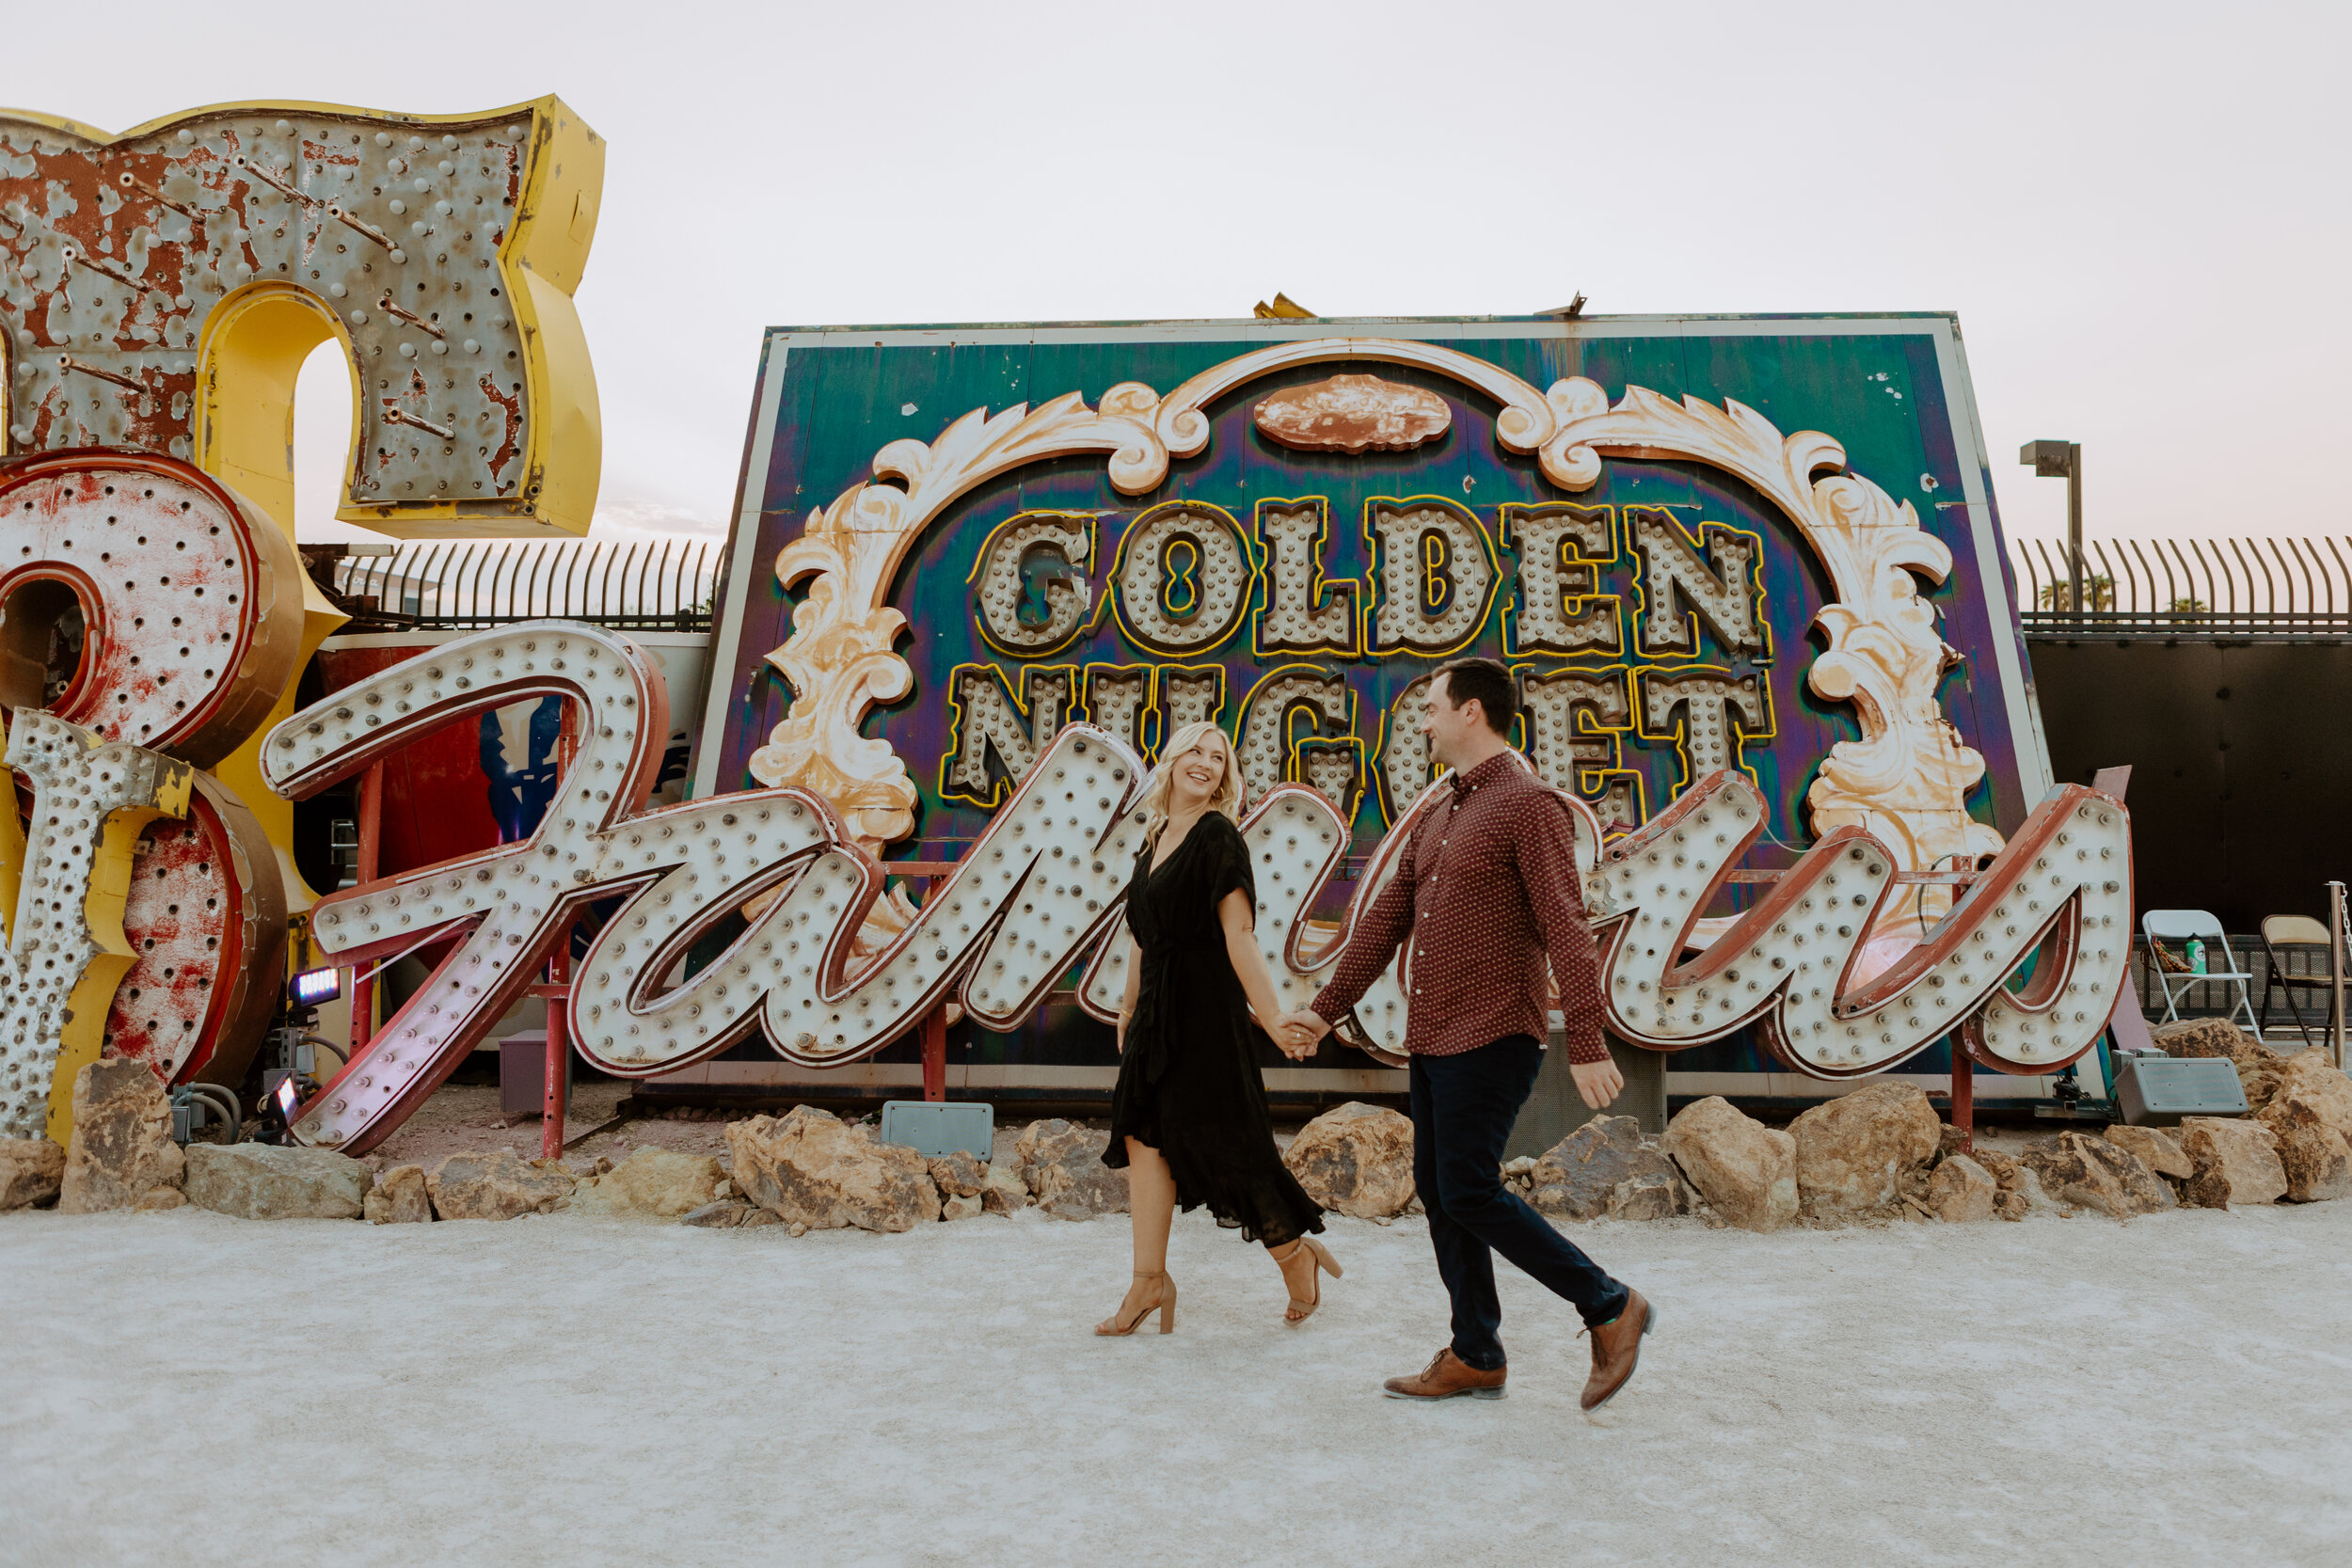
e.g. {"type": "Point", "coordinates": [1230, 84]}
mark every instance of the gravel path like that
{"type": "Point", "coordinates": [185, 1388]}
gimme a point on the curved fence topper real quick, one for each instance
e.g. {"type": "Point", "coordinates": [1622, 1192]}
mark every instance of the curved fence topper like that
{"type": "Point", "coordinates": [1042, 888]}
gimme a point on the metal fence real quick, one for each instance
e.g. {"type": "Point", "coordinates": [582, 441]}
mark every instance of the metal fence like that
{"type": "Point", "coordinates": [2276, 1006]}
{"type": "Point", "coordinates": [2256, 589]}
{"type": "Point", "coordinates": [640, 585]}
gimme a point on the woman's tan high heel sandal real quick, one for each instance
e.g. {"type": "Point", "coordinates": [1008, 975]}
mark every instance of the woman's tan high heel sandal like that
{"type": "Point", "coordinates": [1324, 1263]}
{"type": "Point", "coordinates": [1164, 1303]}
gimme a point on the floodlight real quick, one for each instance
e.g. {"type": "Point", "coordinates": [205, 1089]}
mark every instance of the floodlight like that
{"type": "Point", "coordinates": [315, 986]}
{"type": "Point", "coordinates": [2048, 459]}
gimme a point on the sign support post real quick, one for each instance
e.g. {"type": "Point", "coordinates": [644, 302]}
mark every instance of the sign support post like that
{"type": "Point", "coordinates": [556, 1085]}
{"type": "Point", "coordinates": [370, 833]}
{"type": "Point", "coordinates": [2335, 968]}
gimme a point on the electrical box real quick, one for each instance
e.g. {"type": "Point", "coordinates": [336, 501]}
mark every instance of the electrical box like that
{"type": "Point", "coordinates": [2157, 1091]}
{"type": "Point", "coordinates": [931, 1127]}
{"type": "Point", "coordinates": [523, 1073]}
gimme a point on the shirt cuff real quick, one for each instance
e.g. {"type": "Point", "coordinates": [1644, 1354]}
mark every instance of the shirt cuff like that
{"type": "Point", "coordinates": [1586, 1047]}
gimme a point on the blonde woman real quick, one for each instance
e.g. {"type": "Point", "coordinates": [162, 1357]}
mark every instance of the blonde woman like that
{"type": "Point", "coordinates": [1189, 1119]}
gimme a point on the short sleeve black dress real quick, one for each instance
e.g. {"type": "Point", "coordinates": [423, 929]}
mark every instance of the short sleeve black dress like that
{"type": "Point", "coordinates": [1189, 1084]}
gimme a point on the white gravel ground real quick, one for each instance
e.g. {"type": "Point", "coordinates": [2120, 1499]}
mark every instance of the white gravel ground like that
{"type": "Point", "coordinates": [185, 1387]}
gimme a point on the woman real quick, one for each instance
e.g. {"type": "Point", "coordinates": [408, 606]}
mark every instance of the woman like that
{"type": "Point", "coordinates": [1189, 1119]}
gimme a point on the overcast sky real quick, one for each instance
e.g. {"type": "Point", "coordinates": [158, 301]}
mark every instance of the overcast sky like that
{"type": "Point", "coordinates": [2139, 211]}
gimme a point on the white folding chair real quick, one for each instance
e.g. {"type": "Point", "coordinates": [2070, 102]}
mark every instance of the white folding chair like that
{"type": "Point", "coordinates": [2181, 926]}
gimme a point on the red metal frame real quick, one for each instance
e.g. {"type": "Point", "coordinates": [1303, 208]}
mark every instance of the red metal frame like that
{"type": "Point", "coordinates": [1964, 1098]}
{"type": "Point", "coordinates": [555, 1103]}
{"type": "Point", "coordinates": [933, 1031]}
{"type": "Point", "coordinates": [371, 836]}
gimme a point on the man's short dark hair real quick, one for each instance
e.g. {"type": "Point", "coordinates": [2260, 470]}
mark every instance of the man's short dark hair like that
{"type": "Point", "coordinates": [1489, 684]}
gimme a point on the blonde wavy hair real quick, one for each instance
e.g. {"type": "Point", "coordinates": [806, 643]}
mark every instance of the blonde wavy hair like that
{"type": "Point", "coordinates": [1229, 794]}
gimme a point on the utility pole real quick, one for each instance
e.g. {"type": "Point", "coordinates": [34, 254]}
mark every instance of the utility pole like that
{"type": "Point", "coordinates": [2050, 460]}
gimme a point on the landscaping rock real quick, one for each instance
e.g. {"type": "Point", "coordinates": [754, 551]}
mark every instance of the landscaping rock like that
{"type": "Point", "coordinates": [2210, 1037]}
{"type": "Point", "coordinates": [965, 1207]}
{"type": "Point", "coordinates": [1962, 1191]}
{"type": "Point", "coordinates": [1063, 1167]}
{"type": "Point", "coordinates": [1578, 1177]}
{"type": "Point", "coordinates": [2317, 1162]}
{"type": "Point", "coordinates": [121, 1156]}
{"type": "Point", "coordinates": [2075, 1167]}
{"type": "Point", "coordinates": [2237, 1163]}
{"type": "Point", "coordinates": [1746, 1171]}
{"type": "Point", "coordinates": [2020, 1190]}
{"type": "Point", "coordinates": [2306, 1090]}
{"type": "Point", "coordinates": [959, 1175]}
{"type": "Point", "coordinates": [652, 1184]}
{"type": "Point", "coordinates": [1002, 1192]}
{"type": "Point", "coordinates": [1356, 1159]}
{"type": "Point", "coordinates": [496, 1186]}
{"type": "Point", "coordinates": [399, 1196]}
{"type": "Point", "coordinates": [257, 1181]}
{"type": "Point", "coordinates": [1853, 1152]}
{"type": "Point", "coordinates": [31, 1170]}
{"type": "Point", "coordinates": [811, 1168]}
{"type": "Point", "coordinates": [1657, 1196]}
{"type": "Point", "coordinates": [724, 1214]}
{"type": "Point", "coordinates": [2158, 1148]}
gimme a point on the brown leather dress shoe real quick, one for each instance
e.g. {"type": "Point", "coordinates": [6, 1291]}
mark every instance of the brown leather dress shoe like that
{"type": "Point", "coordinates": [1616, 1346]}
{"type": "Point", "coordinates": [1447, 1376]}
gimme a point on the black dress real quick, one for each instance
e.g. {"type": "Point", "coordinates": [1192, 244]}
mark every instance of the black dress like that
{"type": "Point", "coordinates": [1189, 1084]}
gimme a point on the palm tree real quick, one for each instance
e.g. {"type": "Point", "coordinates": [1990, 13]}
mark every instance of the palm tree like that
{"type": "Point", "coordinates": [2100, 590]}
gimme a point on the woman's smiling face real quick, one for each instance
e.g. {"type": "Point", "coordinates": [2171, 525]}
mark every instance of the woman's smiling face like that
{"type": "Point", "coordinates": [1198, 772]}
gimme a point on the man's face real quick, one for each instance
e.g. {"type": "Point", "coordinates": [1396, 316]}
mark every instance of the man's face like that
{"type": "Point", "coordinates": [1452, 731]}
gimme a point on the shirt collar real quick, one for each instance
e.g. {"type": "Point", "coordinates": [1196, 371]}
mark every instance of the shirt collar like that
{"type": "Point", "coordinates": [1494, 770]}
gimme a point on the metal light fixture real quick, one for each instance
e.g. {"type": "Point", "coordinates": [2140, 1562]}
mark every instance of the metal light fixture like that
{"type": "Point", "coordinates": [313, 987]}
{"type": "Point", "coordinates": [2064, 460]}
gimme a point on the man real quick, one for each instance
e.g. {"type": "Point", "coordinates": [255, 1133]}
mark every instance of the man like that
{"type": "Point", "coordinates": [1484, 892]}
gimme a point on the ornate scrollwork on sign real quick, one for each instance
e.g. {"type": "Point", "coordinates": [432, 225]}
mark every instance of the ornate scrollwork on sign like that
{"type": "Point", "coordinates": [1905, 781]}
{"type": "Point", "coordinates": [838, 658]}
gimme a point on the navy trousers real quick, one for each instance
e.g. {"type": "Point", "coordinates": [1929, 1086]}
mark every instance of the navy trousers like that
{"type": "Point", "coordinates": [1464, 1107]}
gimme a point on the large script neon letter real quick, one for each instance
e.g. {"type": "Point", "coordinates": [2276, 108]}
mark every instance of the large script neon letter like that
{"type": "Point", "coordinates": [1038, 888]}
{"type": "Point", "coordinates": [64, 948]}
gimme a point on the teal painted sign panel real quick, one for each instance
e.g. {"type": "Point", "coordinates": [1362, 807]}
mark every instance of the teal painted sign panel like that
{"type": "Point", "coordinates": [1679, 631]}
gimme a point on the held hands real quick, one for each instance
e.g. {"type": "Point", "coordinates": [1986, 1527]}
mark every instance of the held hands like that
{"type": "Point", "coordinates": [1298, 1032]}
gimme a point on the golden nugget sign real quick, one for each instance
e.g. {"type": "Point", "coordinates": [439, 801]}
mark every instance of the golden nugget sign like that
{"type": "Point", "coordinates": [1190, 576]}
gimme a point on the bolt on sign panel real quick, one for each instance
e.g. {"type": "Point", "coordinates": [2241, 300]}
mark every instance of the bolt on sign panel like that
{"type": "Point", "coordinates": [1760, 551]}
